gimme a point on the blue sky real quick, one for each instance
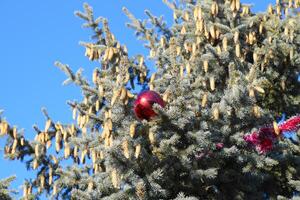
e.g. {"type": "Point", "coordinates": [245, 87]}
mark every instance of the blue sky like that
{"type": "Point", "coordinates": [36, 33]}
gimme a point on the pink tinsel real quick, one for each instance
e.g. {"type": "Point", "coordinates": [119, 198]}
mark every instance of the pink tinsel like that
{"type": "Point", "coordinates": [265, 137]}
{"type": "Point", "coordinates": [292, 124]}
{"type": "Point", "coordinates": [262, 140]}
{"type": "Point", "coordinates": [219, 146]}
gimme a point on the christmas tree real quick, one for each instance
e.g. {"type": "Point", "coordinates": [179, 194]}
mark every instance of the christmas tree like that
{"type": "Point", "coordinates": [5, 192]}
{"type": "Point", "coordinates": [209, 128]}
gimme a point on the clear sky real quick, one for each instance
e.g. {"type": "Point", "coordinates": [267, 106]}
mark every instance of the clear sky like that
{"type": "Point", "coordinates": [36, 33]}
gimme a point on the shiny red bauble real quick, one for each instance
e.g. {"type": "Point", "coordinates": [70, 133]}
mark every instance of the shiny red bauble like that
{"type": "Point", "coordinates": [143, 104]}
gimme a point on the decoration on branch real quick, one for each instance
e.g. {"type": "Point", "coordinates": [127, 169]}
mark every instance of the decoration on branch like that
{"type": "Point", "coordinates": [210, 153]}
{"type": "Point", "coordinates": [265, 137]}
{"type": "Point", "coordinates": [203, 63]}
{"type": "Point", "coordinates": [143, 104]}
{"type": "Point", "coordinates": [219, 146]}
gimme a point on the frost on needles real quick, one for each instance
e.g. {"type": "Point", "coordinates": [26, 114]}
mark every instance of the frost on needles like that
{"type": "Point", "coordinates": [223, 72]}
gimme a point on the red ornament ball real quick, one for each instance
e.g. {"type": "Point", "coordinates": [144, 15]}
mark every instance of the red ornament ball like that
{"type": "Point", "coordinates": [143, 104]}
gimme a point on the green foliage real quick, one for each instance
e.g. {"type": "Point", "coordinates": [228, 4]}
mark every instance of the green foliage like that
{"type": "Point", "coordinates": [222, 70]}
{"type": "Point", "coordinates": [5, 192]}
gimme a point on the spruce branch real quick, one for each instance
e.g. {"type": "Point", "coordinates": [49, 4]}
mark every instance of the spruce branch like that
{"type": "Point", "coordinates": [223, 73]}
{"type": "Point", "coordinates": [5, 192]}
